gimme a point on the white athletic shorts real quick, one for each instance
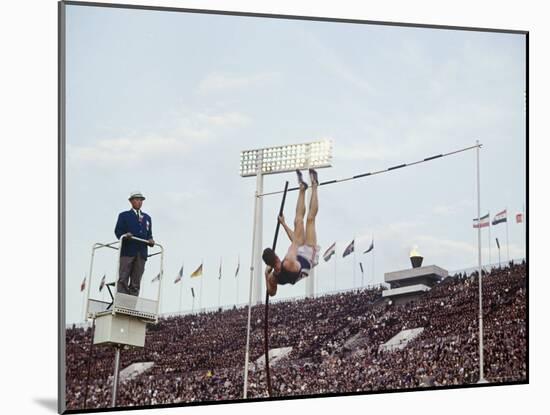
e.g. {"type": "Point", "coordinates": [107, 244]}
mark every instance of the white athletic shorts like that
{"type": "Point", "coordinates": [311, 253]}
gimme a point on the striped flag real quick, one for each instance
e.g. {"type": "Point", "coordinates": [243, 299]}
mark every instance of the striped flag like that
{"type": "Point", "coordinates": [519, 217]}
{"type": "Point", "coordinates": [157, 278]}
{"type": "Point", "coordinates": [349, 249]}
{"type": "Point", "coordinates": [102, 283]}
{"type": "Point", "coordinates": [238, 267]}
{"type": "Point", "coordinates": [371, 247]}
{"type": "Point", "coordinates": [220, 271]}
{"type": "Point", "coordinates": [197, 272]}
{"type": "Point", "coordinates": [500, 217]}
{"type": "Point", "coordinates": [329, 252]}
{"type": "Point", "coordinates": [180, 276]}
{"type": "Point", "coordinates": [483, 222]}
{"type": "Point", "coordinates": [498, 244]}
{"type": "Point", "coordinates": [83, 285]}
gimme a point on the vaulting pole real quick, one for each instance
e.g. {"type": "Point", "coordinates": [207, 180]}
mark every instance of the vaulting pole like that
{"type": "Point", "coordinates": [266, 320]}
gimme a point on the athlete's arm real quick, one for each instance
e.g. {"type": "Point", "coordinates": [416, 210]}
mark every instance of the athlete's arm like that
{"type": "Point", "coordinates": [271, 281]}
{"type": "Point", "coordinates": [289, 231]}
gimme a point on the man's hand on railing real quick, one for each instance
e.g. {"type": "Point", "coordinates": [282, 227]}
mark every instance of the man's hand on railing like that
{"type": "Point", "coordinates": [151, 242]}
{"type": "Point", "coordinates": [128, 235]}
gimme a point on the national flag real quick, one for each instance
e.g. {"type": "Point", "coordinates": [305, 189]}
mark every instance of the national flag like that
{"type": "Point", "coordinates": [157, 278]}
{"type": "Point", "coordinates": [192, 292]}
{"type": "Point", "coordinates": [483, 222]}
{"type": "Point", "coordinates": [498, 244]}
{"type": "Point", "coordinates": [180, 276]}
{"type": "Point", "coordinates": [349, 249]}
{"type": "Point", "coordinates": [329, 252]}
{"type": "Point", "coordinates": [238, 267]}
{"type": "Point", "coordinates": [361, 266]}
{"type": "Point", "coordinates": [197, 272]}
{"type": "Point", "coordinates": [83, 285]}
{"type": "Point", "coordinates": [371, 247]}
{"type": "Point", "coordinates": [519, 217]}
{"type": "Point", "coordinates": [220, 271]}
{"type": "Point", "coordinates": [500, 217]}
{"type": "Point", "coordinates": [102, 283]}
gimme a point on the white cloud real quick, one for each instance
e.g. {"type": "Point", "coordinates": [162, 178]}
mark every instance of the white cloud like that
{"type": "Point", "coordinates": [191, 130]}
{"type": "Point", "coordinates": [219, 82]}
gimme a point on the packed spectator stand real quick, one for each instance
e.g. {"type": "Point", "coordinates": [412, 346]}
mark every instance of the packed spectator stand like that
{"type": "Point", "coordinates": [200, 357]}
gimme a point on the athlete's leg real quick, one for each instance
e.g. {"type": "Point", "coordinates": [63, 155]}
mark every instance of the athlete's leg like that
{"type": "Point", "coordinates": [299, 233]}
{"type": "Point", "coordinates": [311, 234]}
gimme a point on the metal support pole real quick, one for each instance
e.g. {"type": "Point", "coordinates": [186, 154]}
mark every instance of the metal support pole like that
{"type": "Point", "coordinates": [259, 238]}
{"type": "Point", "coordinates": [251, 288]}
{"type": "Point", "coordinates": [115, 376]}
{"type": "Point", "coordinates": [481, 377]}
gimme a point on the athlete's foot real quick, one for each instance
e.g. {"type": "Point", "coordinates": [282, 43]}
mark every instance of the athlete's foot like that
{"type": "Point", "coordinates": [303, 185]}
{"type": "Point", "coordinates": [313, 177]}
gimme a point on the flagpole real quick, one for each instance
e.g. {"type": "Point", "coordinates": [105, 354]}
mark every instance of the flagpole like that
{"type": "Point", "coordinates": [354, 264]}
{"type": "Point", "coordinates": [481, 377]}
{"type": "Point", "coordinates": [507, 242]}
{"type": "Point", "coordinates": [499, 265]}
{"type": "Point", "coordinates": [82, 305]}
{"type": "Point", "coordinates": [180, 309]}
{"type": "Point", "coordinates": [220, 285]}
{"type": "Point", "coordinates": [490, 260]}
{"type": "Point", "coordinates": [372, 260]}
{"type": "Point", "coordinates": [335, 259]}
{"type": "Point", "coordinates": [200, 295]}
{"type": "Point", "coordinates": [237, 282]}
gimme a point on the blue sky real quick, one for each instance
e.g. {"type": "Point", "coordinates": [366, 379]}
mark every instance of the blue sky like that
{"type": "Point", "coordinates": [164, 103]}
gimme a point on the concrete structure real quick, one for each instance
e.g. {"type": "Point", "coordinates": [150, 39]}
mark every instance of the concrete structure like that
{"type": "Point", "coordinates": [274, 356]}
{"type": "Point", "coordinates": [134, 370]}
{"type": "Point", "coordinates": [408, 284]}
{"type": "Point", "coordinates": [401, 339]}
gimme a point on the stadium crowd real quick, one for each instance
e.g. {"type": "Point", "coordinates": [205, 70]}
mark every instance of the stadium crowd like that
{"type": "Point", "coordinates": [335, 343]}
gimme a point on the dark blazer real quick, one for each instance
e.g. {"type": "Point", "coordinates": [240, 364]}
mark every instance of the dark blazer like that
{"type": "Point", "coordinates": [128, 222]}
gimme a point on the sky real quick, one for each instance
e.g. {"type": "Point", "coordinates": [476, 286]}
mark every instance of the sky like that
{"type": "Point", "coordinates": [164, 102]}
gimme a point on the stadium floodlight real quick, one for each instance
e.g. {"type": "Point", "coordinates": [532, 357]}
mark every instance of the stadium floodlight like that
{"type": "Point", "coordinates": [273, 160]}
{"type": "Point", "coordinates": [287, 158]}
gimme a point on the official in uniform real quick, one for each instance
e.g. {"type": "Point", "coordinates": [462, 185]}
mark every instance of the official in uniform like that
{"type": "Point", "coordinates": [133, 255]}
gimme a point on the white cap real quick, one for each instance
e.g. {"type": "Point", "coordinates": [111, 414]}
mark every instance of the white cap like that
{"type": "Point", "coordinates": [136, 195]}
